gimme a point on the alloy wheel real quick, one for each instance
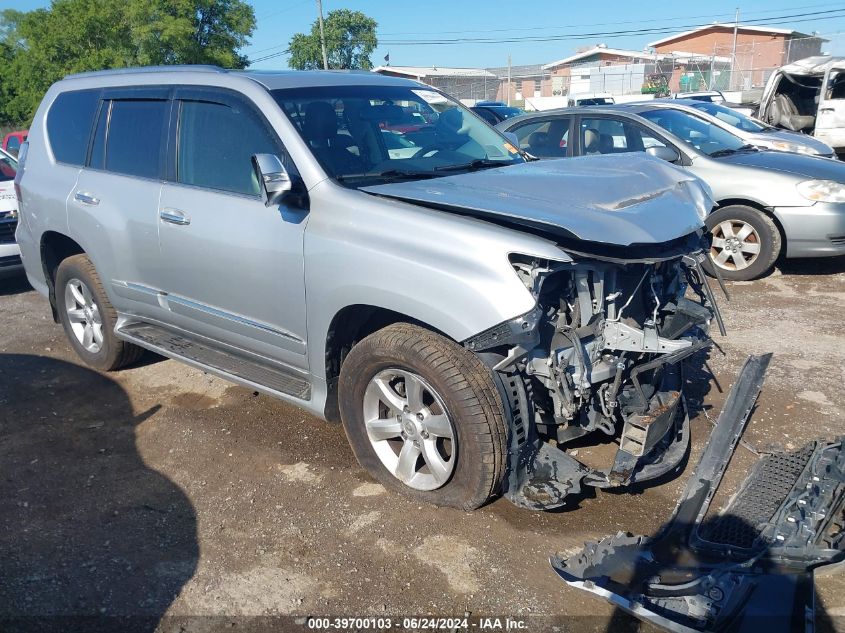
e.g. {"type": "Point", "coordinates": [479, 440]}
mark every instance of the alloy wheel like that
{"type": "Point", "coordinates": [410, 429]}
{"type": "Point", "coordinates": [84, 316]}
{"type": "Point", "coordinates": [736, 245]}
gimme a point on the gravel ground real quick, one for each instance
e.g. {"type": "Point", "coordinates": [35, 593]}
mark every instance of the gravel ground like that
{"type": "Point", "coordinates": [162, 491]}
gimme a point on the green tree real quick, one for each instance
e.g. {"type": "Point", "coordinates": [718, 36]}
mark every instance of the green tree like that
{"type": "Point", "coordinates": [350, 39]}
{"type": "Point", "coordinates": [79, 35]}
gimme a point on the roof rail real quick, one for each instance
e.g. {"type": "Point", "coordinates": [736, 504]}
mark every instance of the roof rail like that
{"type": "Point", "coordinates": [207, 68]}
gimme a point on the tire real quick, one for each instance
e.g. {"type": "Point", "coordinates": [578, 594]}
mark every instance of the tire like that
{"type": "Point", "coordinates": [746, 243]}
{"type": "Point", "coordinates": [82, 305]}
{"type": "Point", "coordinates": [455, 384]}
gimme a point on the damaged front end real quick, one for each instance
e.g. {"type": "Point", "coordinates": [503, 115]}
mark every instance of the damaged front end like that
{"type": "Point", "coordinates": [600, 353]}
{"type": "Point", "coordinates": [750, 567]}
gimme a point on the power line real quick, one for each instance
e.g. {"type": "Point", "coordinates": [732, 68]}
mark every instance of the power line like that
{"type": "Point", "coordinates": [648, 21]}
{"type": "Point", "coordinates": [664, 30]}
{"type": "Point", "coordinates": [822, 15]}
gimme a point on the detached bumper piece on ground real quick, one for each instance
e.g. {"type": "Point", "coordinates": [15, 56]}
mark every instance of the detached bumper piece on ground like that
{"type": "Point", "coordinates": [748, 568]}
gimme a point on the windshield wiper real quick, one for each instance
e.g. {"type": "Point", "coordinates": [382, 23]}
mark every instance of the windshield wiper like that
{"type": "Point", "coordinates": [729, 151]}
{"type": "Point", "coordinates": [478, 163]}
{"type": "Point", "coordinates": [390, 174]}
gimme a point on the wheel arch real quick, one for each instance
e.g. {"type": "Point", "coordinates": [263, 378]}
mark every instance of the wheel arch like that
{"type": "Point", "coordinates": [349, 325]}
{"type": "Point", "coordinates": [54, 248]}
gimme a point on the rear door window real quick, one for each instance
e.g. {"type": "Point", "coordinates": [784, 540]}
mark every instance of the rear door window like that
{"type": "Point", "coordinates": [134, 140]}
{"type": "Point", "coordinates": [69, 125]}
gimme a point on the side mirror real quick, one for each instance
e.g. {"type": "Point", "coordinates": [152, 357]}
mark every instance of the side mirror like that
{"type": "Point", "coordinates": [513, 138]}
{"type": "Point", "coordinates": [273, 178]}
{"type": "Point", "coordinates": [669, 154]}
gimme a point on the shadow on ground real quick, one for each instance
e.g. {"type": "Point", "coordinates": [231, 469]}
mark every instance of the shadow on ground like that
{"type": "Point", "coordinates": [91, 538]}
{"type": "Point", "coordinates": [812, 266]}
{"type": "Point", "coordinates": [14, 285]}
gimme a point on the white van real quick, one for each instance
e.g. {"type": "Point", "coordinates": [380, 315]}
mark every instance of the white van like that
{"type": "Point", "coordinates": [808, 96]}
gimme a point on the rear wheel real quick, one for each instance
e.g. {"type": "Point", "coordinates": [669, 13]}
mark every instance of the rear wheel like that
{"type": "Point", "coordinates": [88, 317]}
{"type": "Point", "coordinates": [745, 245]}
{"type": "Point", "coordinates": [424, 417]}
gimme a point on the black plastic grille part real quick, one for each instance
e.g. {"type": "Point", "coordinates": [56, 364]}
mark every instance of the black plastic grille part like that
{"type": "Point", "coordinates": [7, 231]}
{"type": "Point", "coordinates": [761, 495]}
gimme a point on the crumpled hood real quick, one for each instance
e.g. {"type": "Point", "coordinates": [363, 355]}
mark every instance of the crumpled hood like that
{"type": "Point", "coordinates": [614, 199]}
{"type": "Point", "coordinates": [800, 165]}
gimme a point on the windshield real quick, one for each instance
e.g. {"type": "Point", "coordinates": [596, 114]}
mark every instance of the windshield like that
{"type": "Point", "coordinates": [361, 134]}
{"type": "Point", "coordinates": [702, 135]}
{"type": "Point", "coordinates": [8, 167]}
{"type": "Point", "coordinates": [731, 117]}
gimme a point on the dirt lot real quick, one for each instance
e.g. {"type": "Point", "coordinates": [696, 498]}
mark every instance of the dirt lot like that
{"type": "Point", "coordinates": [162, 491]}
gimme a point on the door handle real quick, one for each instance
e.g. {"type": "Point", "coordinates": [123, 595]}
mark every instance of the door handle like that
{"type": "Point", "coordinates": [86, 198]}
{"type": "Point", "coordinates": [174, 216]}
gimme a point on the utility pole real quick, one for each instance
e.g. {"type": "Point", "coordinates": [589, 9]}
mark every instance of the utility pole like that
{"type": "Point", "coordinates": [733, 54]}
{"type": "Point", "coordinates": [322, 35]}
{"type": "Point", "coordinates": [509, 79]}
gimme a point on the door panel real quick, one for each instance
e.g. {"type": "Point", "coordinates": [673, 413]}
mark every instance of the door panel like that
{"type": "Point", "coordinates": [234, 268]}
{"type": "Point", "coordinates": [113, 207]}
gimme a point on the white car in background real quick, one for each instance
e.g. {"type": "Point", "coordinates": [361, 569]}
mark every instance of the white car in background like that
{"type": "Point", "coordinates": [10, 253]}
{"type": "Point", "coordinates": [714, 96]}
{"type": "Point", "coordinates": [753, 131]}
{"type": "Point", "coordinates": [590, 99]}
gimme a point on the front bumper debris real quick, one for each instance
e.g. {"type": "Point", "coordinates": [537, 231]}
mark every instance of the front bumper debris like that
{"type": "Point", "coordinates": [653, 443]}
{"type": "Point", "coordinates": [749, 567]}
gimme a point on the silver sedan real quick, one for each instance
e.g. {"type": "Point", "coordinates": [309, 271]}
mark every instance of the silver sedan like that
{"type": "Point", "coordinates": [769, 204]}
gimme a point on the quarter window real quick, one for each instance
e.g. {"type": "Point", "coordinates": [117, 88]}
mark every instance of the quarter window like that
{"type": "Point", "coordinates": [134, 139]}
{"type": "Point", "coordinates": [69, 125]}
{"type": "Point", "coordinates": [216, 144]}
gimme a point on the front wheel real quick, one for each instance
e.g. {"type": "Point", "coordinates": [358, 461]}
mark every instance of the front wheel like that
{"type": "Point", "coordinates": [424, 417]}
{"type": "Point", "coordinates": [746, 243]}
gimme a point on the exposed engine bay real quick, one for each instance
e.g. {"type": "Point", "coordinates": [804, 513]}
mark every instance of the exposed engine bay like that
{"type": "Point", "coordinates": [600, 353]}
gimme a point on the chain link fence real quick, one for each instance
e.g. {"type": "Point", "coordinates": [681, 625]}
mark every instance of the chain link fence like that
{"type": "Point", "coordinates": [742, 69]}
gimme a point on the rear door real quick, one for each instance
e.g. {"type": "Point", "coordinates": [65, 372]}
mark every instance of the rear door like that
{"type": "Point", "coordinates": [830, 119]}
{"type": "Point", "coordinates": [234, 268]}
{"type": "Point", "coordinates": [113, 208]}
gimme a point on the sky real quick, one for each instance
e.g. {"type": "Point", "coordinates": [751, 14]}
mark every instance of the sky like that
{"type": "Point", "coordinates": [401, 22]}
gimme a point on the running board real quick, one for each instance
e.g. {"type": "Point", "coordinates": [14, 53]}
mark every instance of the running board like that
{"type": "Point", "coordinates": [227, 363]}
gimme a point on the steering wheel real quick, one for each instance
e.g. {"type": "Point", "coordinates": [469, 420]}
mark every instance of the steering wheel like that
{"type": "Point", "coordinates": [427, 149]}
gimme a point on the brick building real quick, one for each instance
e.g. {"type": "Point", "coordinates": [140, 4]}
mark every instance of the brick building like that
{"type": "Point", "coordinates": [759, 50]}
{"type": "Point", "coordinates": [575, 74]}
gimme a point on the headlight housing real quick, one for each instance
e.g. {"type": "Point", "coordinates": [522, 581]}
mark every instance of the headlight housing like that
{"type": "Point", "coordinates": [822, 190]}
{"type": "Point", "coordinates": [795, 148]}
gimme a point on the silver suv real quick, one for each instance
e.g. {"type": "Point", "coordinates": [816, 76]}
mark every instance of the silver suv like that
{"type": "Point", "coordinates": [464, 310]}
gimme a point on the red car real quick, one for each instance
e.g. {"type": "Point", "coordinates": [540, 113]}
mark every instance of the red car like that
{"type": "Point", "coordinates": [13, 140]}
